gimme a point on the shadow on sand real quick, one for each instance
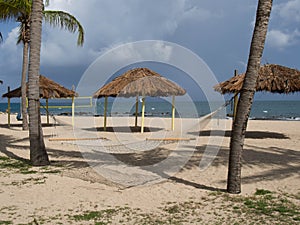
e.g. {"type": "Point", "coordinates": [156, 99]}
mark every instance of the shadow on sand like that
{"type": "Point", "coordinates": [283, 162]}
{"type": "Point", "coordinates": [13, 125]}
{"type": "Point", "coordinates": [249, 134]}
{"type": "Point", "coordinates": [124, 129]}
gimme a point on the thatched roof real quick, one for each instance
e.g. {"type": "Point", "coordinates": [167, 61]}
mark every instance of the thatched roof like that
{"type": "Point", "coordinates": [271, 77]}
{"type": "Point", "coordinates": [48, 89]}
{"type": "Point", "coordinates": [140, 82]}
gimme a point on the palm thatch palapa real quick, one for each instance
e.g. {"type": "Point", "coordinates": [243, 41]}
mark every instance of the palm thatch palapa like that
{"type": "Point", "coordinates": [272, 78]}
{"type": "Point", "coordinates": [140, 82]}
{"type": "Point", "coordinates": [48, 89]}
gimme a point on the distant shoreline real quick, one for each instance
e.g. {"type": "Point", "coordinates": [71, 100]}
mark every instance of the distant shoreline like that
{"type": "Point", "coordinates": [261, 110]}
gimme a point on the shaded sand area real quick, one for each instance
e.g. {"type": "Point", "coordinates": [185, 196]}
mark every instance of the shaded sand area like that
{"type": "Point", "coordinates": [84, 185]}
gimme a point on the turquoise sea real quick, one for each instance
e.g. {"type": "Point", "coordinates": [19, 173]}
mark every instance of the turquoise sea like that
{"type": "Point", "coordinates": [264, 110]}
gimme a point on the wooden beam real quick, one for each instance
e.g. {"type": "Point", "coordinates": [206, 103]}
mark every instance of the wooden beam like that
{"type": "Point", "coordinates": [8, 108]}
{"type": "Point", "coordinates": [105, 113]}
{"type": "Point", "coordinates": [236, 99]}
{"type": "Point", "coordinates": [47, 110]}
{"type": "Point", "coordinates": [73, 111]}
{"type": "Point", "coordinates": [76, 139]}
{"type": "Point", "coordinates": [173, 113]}
{"type": "Point", "coordinates": [143, 115]}
{"type": "Point", "coordinates": [136, 110]}
{"type": "Point", "coordinates": [170, 139]}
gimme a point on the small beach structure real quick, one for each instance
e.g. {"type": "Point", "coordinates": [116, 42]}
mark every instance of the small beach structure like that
{"type": "Point", "coordinates": [140, 82]}
{"type": "Point", "coordinates": [271, 78]}
{"type": "Point", "coordinates": [48, 89]}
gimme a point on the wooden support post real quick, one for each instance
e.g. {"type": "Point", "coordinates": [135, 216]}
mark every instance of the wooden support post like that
{"type": "Point", "coordinates": [136, 110]}
{"type": "Point", "coordinates": [8, 109]}
{"type": "Point", "coordinates": [47, 109]}
{"type": "Point", "coordinates": [235, 100]}
{"type": "Point", "coordinates": [173, 113]}
{"type": "Point", "coordinates": [143, 115]}
{"type": "Point", "coordinates": [105, 113]}
{"type": "Point", "coordinates": [73, 111]}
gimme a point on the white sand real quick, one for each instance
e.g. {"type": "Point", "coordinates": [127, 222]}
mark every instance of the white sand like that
{"type": "Point", "coordinates": [271, 160]}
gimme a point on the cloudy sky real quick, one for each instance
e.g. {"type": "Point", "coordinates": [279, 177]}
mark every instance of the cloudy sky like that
{"type": "Point", "coordinates": [217, 31]}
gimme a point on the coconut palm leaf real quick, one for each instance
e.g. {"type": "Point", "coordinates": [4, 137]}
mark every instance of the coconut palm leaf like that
{"type": "Point", "coordinates": [20, 11]}
{"type": "Point", "coordinates": [65, 21]}
{"type": "Point", "coordinates": [13, 9]}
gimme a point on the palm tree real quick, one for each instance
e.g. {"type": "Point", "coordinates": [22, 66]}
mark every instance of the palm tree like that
{"type": "Point", "coordinates": [20, 10]}
{"type": "Point", "coordinates": [38, 154]}
{"type": "Point", "coordinates": [246, 96]}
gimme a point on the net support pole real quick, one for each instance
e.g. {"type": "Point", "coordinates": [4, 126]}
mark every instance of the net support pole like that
{"type": "Point", "coordinates": [47, 110]}
{"type": "Point", "coordinates": [173, 113]}
{"type": "Point", "coordinates": [105, 113]}
{"type": "Point", "coordinates": [235, 100]}
{"type": "Point", "coordinates": [73, 111]}
{"type": "Point", "coordinates": [136, 110]}
{"type": "Point", "coordinates": [143, 115]}
{"type": "Point", "coordinates": [8, 109]}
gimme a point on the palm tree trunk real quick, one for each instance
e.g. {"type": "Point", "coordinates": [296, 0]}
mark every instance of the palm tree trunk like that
{"type": "Point", "coordinates": [38, 153]}
{"type": "Point", "coordinates": [246, 96]}
{"type": "Point", "coordinates": [23, 86]}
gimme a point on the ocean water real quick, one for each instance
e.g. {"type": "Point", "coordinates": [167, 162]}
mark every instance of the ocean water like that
{"type": "Point", "coordinates": [264, 110]}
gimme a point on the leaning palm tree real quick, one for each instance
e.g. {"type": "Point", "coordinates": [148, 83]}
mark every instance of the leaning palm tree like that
{"type": "Point", "coordinates": [246, 95]}
{"type": "Point", "coordinates": [38, 153]}
{"type": "Point", "coordinates": [20, 10]}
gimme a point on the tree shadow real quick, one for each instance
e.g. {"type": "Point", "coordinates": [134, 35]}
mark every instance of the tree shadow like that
{"type": "Point", "coordinates": [282, 163]}
{"type": "Point", "coordinates": [124, 129]}
{"type": "Point", "coordinates": [143, 160]}
{"type": "Point", "coordinates": [8, 141]}
{"type": "Point", "coordinates": [249, 134]}
{"type": "Point", "coordinates": [16, 125]}
{"type": "Point", "coordinates": [196, 185]}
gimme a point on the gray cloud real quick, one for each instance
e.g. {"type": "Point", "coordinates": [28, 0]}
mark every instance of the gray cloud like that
{"type": "Point", "coordinates": [289, 10]}
{"type": "Point", "coordinates": [218, 31]}
{"type": "Point", "coordinates": [281, 40]}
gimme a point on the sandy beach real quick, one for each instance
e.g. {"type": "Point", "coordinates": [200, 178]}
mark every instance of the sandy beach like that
{"type": "Point", "coordinates": [136, 185]}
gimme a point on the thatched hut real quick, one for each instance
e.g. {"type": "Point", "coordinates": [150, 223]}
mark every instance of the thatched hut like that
{"type": "Point", "coordinates": [48, 89]}
{"type": "Point", "coordinates": [271, 77]}
{"type": "Point", "coordinates": [140, 82]}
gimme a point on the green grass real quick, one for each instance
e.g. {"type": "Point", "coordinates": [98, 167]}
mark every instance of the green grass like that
{"type": "Point", "coordinates": [12, 164]}
{"type": "Point", "coordinates": [264, 206]}
{"type": "Point", "coordinates": [262, 192]}
{"type": "Point", "coordinates": [9, 166]}
{"type": "Point", "coordinates": [2, 222]}
{"type": "Point", "coordinates": [272, 206]}
{"type": "Point", "coordinates": [24, 167]}
{"type": "Point", "coordinates": [99, 217]}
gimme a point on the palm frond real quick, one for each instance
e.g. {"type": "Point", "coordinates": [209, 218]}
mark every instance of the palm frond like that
{"type": "Point", "coordinates": [1, 38]}
{"type": "Point", "coordinates": [20, 33]}
{"type": "Point", "coordinates": [12, 9]}
{"type": "Point", "coordinates": [65, 21]}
